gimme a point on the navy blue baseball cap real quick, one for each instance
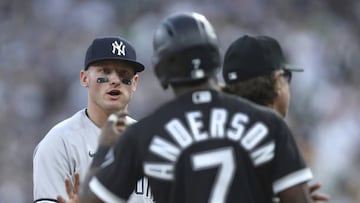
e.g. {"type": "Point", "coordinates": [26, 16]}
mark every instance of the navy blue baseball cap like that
{"type": "Point", "coordinates": [250, 57]}
{"type": "Point", "coordinates": [112, 48]}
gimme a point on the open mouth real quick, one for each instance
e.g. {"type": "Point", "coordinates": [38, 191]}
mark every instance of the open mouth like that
{"type": "Point", "coordinates": [114, 92]}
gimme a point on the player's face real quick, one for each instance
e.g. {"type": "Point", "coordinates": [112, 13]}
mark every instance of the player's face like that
{"type": "Point", "coordinates": [115, 94]}
{"type": "Point", "coordinates": [282, 86]}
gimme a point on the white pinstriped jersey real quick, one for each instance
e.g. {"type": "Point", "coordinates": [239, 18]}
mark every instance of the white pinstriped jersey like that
{"type": "Point", "coordinates": [67, 148]}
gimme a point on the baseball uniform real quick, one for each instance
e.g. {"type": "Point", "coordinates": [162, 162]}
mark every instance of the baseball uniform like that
{"type": "Point", "coordinates": [204, 146]}
{"type": "Point", "coordinates": [69, 147]}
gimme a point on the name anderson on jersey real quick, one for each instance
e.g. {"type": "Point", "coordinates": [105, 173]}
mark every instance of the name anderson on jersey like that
{"type": "Point", "coordinates": [185, 137]}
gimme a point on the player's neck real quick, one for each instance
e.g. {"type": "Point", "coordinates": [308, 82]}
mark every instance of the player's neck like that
{"type": "Point", "coordinates": [276, 108]}
{"type": "Point", "coordinates": [207, 84]}
{"type": "Point", "coordinates": [97, 115]}
{"type": "Point", "coordinates": [97, 118]}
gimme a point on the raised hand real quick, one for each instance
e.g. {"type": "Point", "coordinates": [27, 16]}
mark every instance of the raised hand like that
{"type": "Point", "coordinates": [73, 192]}
{"type": "Point", "coordinates": [318, 196]}
{"type": "Point", "coordinates": [113, 128]}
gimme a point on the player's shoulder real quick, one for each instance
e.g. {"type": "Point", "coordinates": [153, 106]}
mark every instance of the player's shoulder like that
{"type": "Point", "coordinates": [147, 123]}
{"type": "Point", "coordinates": [66, 133]}
{"type": "Point", "coordinates": [67, 126]}
{"type": "Point", "coordinates": [71, 122]}
{"type": "Point", "coordinates": [267, 114]}
{"type": "Point", "coordinates": [260, 109]}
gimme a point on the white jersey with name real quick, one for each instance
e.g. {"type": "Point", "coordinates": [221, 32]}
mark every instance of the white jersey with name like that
{"type": "Point", "coordinates": [67, 148]}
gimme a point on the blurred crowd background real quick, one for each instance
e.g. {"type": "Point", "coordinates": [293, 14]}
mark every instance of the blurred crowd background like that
{"type": "Point", "coordinates": [42, 48]}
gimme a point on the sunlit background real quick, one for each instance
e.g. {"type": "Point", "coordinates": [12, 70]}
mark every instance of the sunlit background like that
{"type": "Point", "coordinates": [42, 48]}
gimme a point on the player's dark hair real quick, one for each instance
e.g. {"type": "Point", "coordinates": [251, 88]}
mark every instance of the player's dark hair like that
{"type": "Point", "coordinates": [260, 90]}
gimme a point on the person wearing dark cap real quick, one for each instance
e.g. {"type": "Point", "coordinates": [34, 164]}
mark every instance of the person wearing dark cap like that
{"type": "Point", "coordinates": [256, 69]}
{"type": "Point", "coordinates": [110, 75]}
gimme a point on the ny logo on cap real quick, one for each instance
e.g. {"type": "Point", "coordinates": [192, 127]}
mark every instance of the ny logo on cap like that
{"type": "Point", "coordinates": [120, 48]}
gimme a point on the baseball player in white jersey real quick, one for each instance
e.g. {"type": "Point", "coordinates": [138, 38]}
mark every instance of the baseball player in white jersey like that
{"type": "Point", "coordinates": [110, 75]}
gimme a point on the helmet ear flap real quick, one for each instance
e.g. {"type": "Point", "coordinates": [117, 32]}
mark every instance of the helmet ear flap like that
{"type": "Point", "coordinates": [162, 73]}
{"type": "Point", "coordinates": [185, 49]}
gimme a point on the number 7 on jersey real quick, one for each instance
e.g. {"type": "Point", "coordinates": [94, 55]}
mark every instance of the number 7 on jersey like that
{"type": "Point", "coordinates": [223, 159]}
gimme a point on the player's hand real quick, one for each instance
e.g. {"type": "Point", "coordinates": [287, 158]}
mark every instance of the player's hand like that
{"type": "Point", "coordinates": [115, 125]}
{"type": "Point", "coordinates": [318, 196]}
{"type": "Point", "coordinates": [73, 192]}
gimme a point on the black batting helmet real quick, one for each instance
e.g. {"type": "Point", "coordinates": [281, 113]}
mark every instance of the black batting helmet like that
{"type": "Point", "coordinates": [185, 49]}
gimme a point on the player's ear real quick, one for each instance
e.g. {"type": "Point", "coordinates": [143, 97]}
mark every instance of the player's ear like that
{"type": "Point", "coordinates": [84, 79]}
{"type": "Point", "coordinates": [135, 82]}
